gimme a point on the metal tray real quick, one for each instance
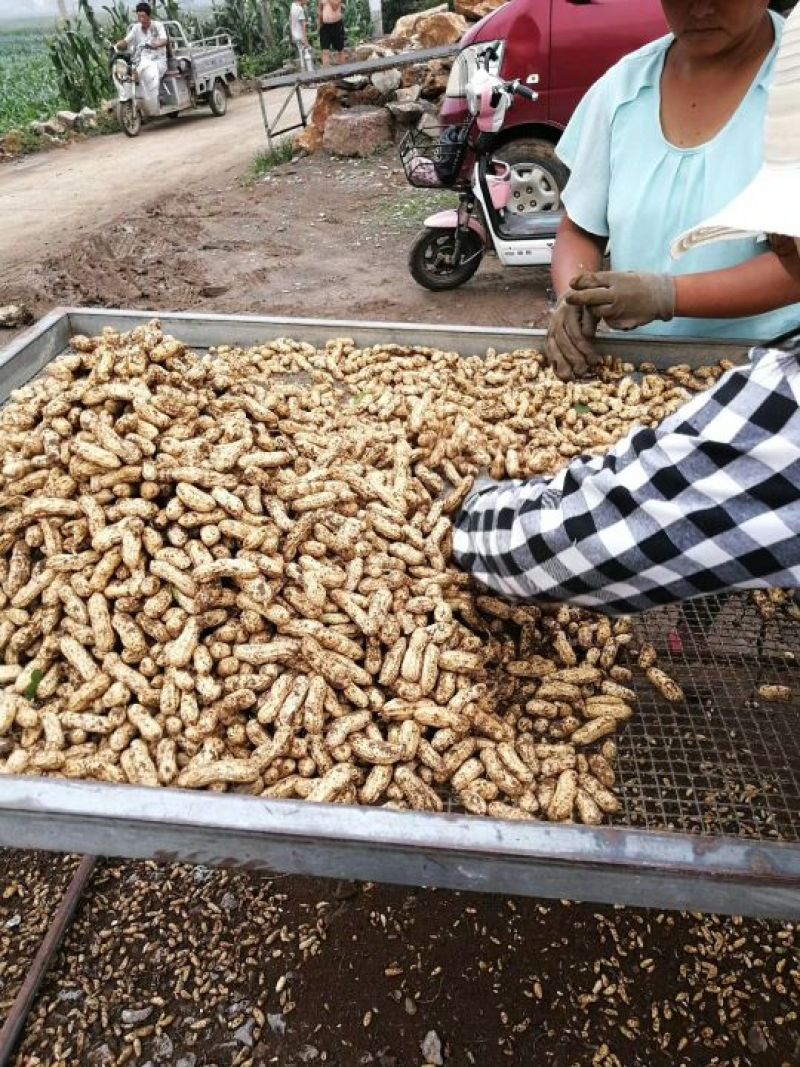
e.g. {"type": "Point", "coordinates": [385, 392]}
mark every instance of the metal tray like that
{"type": "Point", "coordinates": [710, 787]}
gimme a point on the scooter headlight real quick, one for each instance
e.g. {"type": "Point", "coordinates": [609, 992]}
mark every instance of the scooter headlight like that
{"type": "Point", "coordinates": [119, 70]}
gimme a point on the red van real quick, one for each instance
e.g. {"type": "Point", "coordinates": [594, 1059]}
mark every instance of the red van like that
{"type": "Point", "coordinates": [566, 45]}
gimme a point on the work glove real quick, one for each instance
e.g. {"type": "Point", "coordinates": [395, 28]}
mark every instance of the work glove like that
{"type": "Point", "coordinates": [624, 300]}
{"type": "Point", "coordinates": [569, 345]}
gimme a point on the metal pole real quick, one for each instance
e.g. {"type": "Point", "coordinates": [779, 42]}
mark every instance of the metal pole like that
{"type": "Point", "coordinates": [18, 1013]}
{"type": "Point", "coordinates": [264, 116]}
{"type": "Point", "coordinates": [303, 115]}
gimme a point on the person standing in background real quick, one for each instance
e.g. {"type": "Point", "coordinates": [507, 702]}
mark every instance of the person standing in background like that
{"type": "Point", "coordinates": [298, 30]}
{"type": "Point", "coordinates": [331, 30]}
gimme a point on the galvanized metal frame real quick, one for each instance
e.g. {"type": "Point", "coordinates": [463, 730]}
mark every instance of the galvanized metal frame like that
{"type": "Point", "coordinates": [607, 864]}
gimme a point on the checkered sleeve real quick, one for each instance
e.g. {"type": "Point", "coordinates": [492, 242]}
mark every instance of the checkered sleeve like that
{"type": "Point", "coordinates": [706, 502]}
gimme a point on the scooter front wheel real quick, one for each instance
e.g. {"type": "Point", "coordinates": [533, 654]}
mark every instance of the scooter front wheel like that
{"type": "Point", "coordinates": [129, 117]}
{"type": "Point", "coordinates": [433, 262]}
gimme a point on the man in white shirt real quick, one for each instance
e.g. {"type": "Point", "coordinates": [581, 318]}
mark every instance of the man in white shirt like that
{"type": "Point", "coordinates": [147, 42]}
{"type": "Point", "coordinates": [298, 29]}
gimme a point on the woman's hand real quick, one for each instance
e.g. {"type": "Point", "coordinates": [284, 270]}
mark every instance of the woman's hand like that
{"type": "Point", "coordinates": [624, 300]}
{"type": "Point", "coordinates": [569, 345]}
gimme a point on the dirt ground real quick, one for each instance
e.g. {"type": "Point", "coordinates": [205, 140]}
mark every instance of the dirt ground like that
{"type": "Point", "coordinates": [192, 968]}
{"type": "Point", "coordinates": [317, 237]}
{"type": "Point", "coordinates": [185, 967]}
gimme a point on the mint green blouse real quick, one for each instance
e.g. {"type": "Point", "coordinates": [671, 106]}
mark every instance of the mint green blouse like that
{"type": "Point", "coordinates": [629, 184]}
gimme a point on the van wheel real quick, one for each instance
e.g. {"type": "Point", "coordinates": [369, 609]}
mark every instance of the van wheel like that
{"type": "Point", "coordinates": [538, 176]}
{"type": "Point", "coordinates": [218, 99]}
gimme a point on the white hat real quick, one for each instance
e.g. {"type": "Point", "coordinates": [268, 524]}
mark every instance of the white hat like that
{"type": "Point", "coordinates": [771, 202]}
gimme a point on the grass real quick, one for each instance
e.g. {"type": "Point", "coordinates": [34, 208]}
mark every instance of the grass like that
{"type": "Point", "coordinates": [269, 160]}
{"type": "Point", "coordinates": [28, 87]}
{"type": "Point", "coordinates": [409, 208]}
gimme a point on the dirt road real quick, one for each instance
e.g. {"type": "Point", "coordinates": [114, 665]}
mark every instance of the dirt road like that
{"type": "Point", "coordinates": [52, 199]}
{"type": "Point", "coordinates": [165, 223]}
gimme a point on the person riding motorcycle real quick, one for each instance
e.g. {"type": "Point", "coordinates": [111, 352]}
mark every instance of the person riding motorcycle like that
{"type": "Point", "coordinates": [147, 42]}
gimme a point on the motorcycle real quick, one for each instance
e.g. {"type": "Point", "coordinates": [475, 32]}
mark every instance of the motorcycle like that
{"type": "Point", "coordinates": [452, 244]}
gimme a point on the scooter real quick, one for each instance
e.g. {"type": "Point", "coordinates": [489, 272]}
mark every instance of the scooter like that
{"type": "Point", "coordinates": [449, 249]}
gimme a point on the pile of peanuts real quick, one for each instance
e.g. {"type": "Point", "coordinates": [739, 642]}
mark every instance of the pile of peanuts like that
{"type": "Point", "coordinates": [232, 571]}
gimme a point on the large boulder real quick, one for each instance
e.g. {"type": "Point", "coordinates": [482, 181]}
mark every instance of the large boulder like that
{"type": "Point", "coordinates": [325, 104]}
{"type": "Point", "coordinates": [406, 26]}
{"type": "Point", "coordinates": [473, 10]}
{"type": "Point", "coordinates": [436, 77]}
{"type": "Point", "coordinates": [443, 28]}
{"type": "Point", "coordinates": [357, 131]}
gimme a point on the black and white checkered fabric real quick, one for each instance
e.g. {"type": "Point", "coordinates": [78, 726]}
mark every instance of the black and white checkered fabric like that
{"type": "Point", "coordinates": [708, 501]}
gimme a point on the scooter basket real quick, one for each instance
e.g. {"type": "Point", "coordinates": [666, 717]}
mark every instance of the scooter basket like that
{"type": "Point", "coordinates": [433, 157]}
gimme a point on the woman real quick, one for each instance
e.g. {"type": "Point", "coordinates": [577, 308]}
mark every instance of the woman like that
{"type": "Point", "coordinates": [667, 137]}
{"type": "Point", "coordinates": [708, 501]}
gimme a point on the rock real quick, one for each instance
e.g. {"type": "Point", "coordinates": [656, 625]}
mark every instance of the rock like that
{"type": "Point", "coordinates": [51, 128]}
{"type": "Point", "coordinates": [430, 124]}
{"type": "Point", "coordinates": [189, 1060]}
{"type": "Point", "coordinates": [357, 131]}
{"type": "Point", "coordinates": [444, 28]}
{"type": "Point", "coordinates": [356, 81]}
{"type": "Point", "coordinates": [408, 95]}
{"type": "Point", "coordinates": [326, 103]}
{"type": "Point", "coordinates": [102, 1056]}
{"type": "Point", "coordinates": [244, 1035]}
{"type": "Point", "coordinates": [369, 95]}
{"type": "Point", "coordinates": [277, 1024]}
{"type": "Point", "coordinates": [756, 1041]}
{"type": "Point", "coordinates": [378, 49]}
{"type": "Point", "coordinates": [436, 78]}
{"type": "Point", "coordinates": [68, 118]}
{"type": "Point", "coordinates": [229, 901]}
{"type": "Point", "coordinates": [13, 922]}
{"type": "Point", "coordinates": [308, 1053]}
{"type": "Point", "coordinates": [406, 25]}
{"type": "Point", "coordinates": [386, 81]}
{"type": "Point", "coordinates": [70, 995]}
{"type": "Point", "coordinates": [309, 141]}
{"type": "Point", "coordinates": [135, 1016]}
{"type": "Point", "coordinates": [87, 118]}
{"type": "Point", "coordinates": [474, 10]}
{"type": "Point", "coordinates": [432, 1048]}
{"type": "Point", "coordinates": [406, 114]}
{"type": "Point", "coordinates": [13, 143]}
{"type": "Point", "coordinates": [163, 1048]}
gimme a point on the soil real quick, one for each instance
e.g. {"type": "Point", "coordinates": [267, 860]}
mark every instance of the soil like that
{"type": "Point", "coordinates": [193, 968]}
{"type": "Point", "coordinates": [184, 231]}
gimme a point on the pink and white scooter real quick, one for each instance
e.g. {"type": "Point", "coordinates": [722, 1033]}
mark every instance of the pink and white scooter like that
{"type": "Point", "coordinates": [450, 248]}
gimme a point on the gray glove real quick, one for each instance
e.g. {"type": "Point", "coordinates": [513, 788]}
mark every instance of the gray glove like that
{"type": "Point", "coordinates": [569, 345]}
{"type": "Point", "coordinates": [624, 300]}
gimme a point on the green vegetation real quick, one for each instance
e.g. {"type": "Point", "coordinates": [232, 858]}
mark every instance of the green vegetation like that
{"type": "Point", "coordinates": [410, 207]}
{"type": "Point", "coordinates": [269, 160]}
{"type": "Point", "coordinates": [28, 84]}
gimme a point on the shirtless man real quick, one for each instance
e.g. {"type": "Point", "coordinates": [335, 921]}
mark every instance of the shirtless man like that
{"type": "Point", "coordinates": [331, 30]}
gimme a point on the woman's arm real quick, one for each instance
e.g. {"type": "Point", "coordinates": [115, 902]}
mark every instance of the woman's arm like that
{"type": "Point", "coordinates": [753, 288]}
{"type": "Point", "coordinates": [576, 250]}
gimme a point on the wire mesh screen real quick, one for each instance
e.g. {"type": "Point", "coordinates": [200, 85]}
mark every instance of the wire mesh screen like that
{"type": "Point", "coordinates": [724, 761]}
